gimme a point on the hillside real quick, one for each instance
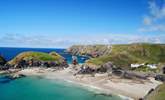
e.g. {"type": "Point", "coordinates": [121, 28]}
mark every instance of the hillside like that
{"type": "Point", "coordinates": [38, 56]}
{"type": "Point", "coordinates": [90, 50]}
{"type": "Point", "coordinates": [124, 55]}
{"type": "Point", "coordinates": [158, 94]}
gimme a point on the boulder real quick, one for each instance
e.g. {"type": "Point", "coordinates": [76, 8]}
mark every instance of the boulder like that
{"type": "Point", "coordinates": [160, 78]}
{"type": "Point", "coordinates": [108, 66]}
{"type": "Point", "coordinates": [85, 69]}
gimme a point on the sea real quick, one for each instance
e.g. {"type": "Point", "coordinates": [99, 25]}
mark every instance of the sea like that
{"type": "Point", "coordinates": [10, 52]}
{"type": "Point", "coordinates": [40, 88]}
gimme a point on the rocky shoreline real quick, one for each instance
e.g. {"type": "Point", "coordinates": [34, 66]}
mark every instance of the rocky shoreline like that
{"type": "Point", "coordinates": [100, 82]}
{"type": "Point", "coordinates": [106, 77]}
{"type": "Point", "coordinates": [103, 82]}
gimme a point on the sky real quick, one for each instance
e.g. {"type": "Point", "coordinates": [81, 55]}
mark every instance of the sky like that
{"type": "Point", "coordinates": [62, 23]}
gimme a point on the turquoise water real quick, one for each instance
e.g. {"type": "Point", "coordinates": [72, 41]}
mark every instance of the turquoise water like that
{"type": "Point", "coordinates": [37, 88]}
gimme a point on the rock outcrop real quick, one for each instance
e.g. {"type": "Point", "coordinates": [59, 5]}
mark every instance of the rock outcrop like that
{"type": "Point", "coordinates": [111, 70]}
{"type": "Point", "coordinates": [90, 50]}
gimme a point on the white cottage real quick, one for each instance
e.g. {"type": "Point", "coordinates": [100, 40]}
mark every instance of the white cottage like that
{"type": "Point", "coordinates": [152, 66]}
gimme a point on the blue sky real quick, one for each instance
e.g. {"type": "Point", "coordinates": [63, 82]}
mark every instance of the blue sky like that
{"type": "Point", "coordinates": [62, 23]}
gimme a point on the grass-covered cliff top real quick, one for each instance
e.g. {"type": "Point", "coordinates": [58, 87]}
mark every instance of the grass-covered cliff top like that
{"type": "Point", "coordinates": [124, 55]}
{"type": "Point", "coordinates": [158, 94]}
{"type": "Point", "coordinates": [39, 56]}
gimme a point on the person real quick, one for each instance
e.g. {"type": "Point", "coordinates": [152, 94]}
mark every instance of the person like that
{"type": "Point", "coordinates": [74, 60]}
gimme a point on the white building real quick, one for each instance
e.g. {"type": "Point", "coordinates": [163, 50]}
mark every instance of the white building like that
{"type": "Point", "coordinates": [135, 65]}
{"type": "Point", "coordinates": [152, 66]}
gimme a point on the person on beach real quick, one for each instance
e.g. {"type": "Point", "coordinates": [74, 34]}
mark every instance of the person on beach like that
{"type": "Point", "coordinates": [74, 60]}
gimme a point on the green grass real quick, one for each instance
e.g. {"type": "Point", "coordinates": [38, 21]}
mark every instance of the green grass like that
{"type": "Point", "coordinates": [158, 94]}
{"type": "Point", "coordinates": [124, 55]}
{"type": "Point", "coordinates": [40, 56]}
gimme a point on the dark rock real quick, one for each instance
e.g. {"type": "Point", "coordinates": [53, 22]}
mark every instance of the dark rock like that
{"type": "Point", "coordinates": [163, 70]}
{"type": "Point", "coordinates": [107, 67]}
{"type": "Point", "coordinates": [160, 78]}
{"type": "Point", "coordinates": [103, 94]}
{"type": "Point", "coordinates": [4, 67]}
{"type": "Point", "coordinates": [117, 72]}
{"type": "Point", "coordinates": [2, 61]}
{"type": "Point", "coordinates": [128, 74]}
{"type": "Point", "coordinates": [8, 78]}
{"type": "Point", "coordinates": [85, 69]}
{"type": "Point", "coordinates": [4, 79]}
{"type": "Point", "coordinates": [16, 76]}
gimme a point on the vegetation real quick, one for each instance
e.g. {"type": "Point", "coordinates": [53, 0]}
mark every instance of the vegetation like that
{"type": "Point", "coordinates": [125, 55]}
{"type": "Point", "coordinates": [55, 55]}
{"type": "Point", "coordinates": [158, 94]}
{"type": "Point", "coordinates": [39, 56]}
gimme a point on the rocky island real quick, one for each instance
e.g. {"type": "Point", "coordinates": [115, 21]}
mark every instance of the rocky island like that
{"type": "Point", "coordinates": [27, 59]}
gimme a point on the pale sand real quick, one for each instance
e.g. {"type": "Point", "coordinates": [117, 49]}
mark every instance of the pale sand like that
{"type": "Point", "coordinates": [109, 85]}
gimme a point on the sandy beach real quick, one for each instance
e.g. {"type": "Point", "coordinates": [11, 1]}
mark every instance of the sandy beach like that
{"type": "Point", "coordinates": [127, 89]}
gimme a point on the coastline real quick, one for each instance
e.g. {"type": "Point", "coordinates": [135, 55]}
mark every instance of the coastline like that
{"type": "Point", "coordinates": [126, 89]}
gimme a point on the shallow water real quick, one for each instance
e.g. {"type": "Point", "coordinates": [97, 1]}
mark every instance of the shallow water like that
{"type": "Point", "coordinates": [38, 88]}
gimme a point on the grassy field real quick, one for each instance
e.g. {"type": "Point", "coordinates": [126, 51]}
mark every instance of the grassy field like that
{"type": "Point", "coordinates": [124, 55]}
{"type": "Point", "coordinates": [158, 94]}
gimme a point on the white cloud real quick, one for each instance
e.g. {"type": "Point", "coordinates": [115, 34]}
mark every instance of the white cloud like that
{"type": "Point", "coordinates": [155, 19]}
{"type": "Point", "coordinates": [18, 40]}
{"type": "Point", "coordinates": [158, 12]}
{"type": "Point", "coordinates": [153, 28]}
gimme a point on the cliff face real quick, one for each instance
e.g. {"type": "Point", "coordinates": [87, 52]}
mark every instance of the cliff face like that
{"type": "Point", "coordinates": [122, 55]}
{"type": "Point", "coordinates": [2, 60]}
{"type": "Point", "coordinates": [90, 50]}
